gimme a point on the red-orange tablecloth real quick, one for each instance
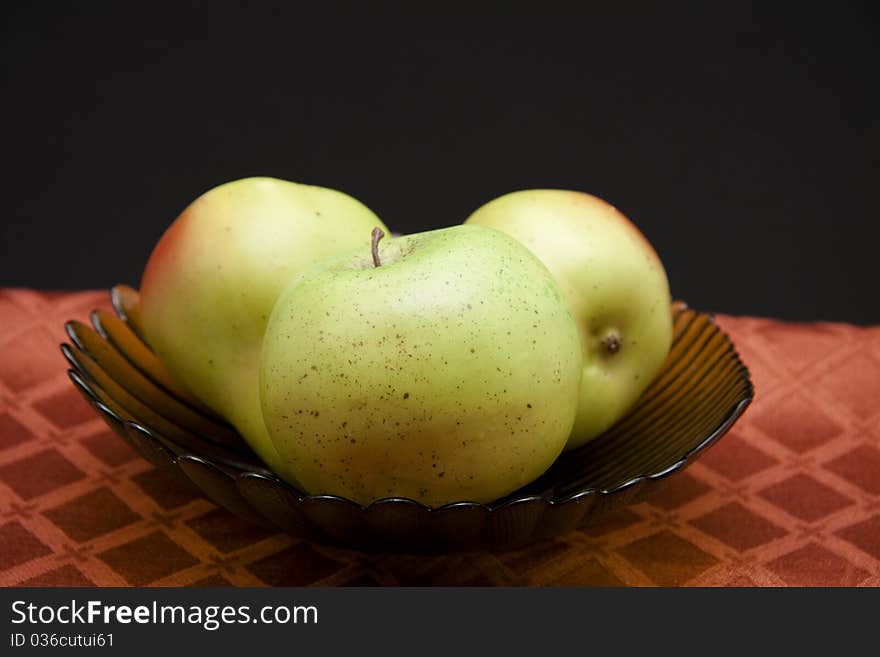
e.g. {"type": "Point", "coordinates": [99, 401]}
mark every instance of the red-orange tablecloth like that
{"type": "Point", "coordinates": [791, 496]}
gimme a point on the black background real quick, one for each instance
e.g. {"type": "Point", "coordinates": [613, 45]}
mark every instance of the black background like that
{"type": "Point", "coordinates": [742, 138]}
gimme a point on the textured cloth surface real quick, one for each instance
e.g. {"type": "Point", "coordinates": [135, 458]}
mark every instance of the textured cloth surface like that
{"type": "Point", "coordinates": [790, 497]}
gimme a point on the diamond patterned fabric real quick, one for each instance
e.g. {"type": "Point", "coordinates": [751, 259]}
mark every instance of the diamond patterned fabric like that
{"type": "Point", "coordinates": [790, 497]}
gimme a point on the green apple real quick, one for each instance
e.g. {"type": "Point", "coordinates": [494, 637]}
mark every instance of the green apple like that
{"type": "Point", "coordinates": [216, 273]}
{"type": "Point", "coordinates": [615, 286]}
{"type": "Point", "coordinates": [442, 366]}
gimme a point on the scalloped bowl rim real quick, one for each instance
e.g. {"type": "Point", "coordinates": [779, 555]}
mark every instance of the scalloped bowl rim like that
{"type": "Point", "coordinates": [267, 475]}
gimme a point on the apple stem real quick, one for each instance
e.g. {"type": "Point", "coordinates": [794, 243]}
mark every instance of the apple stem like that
{"type": "Point", "coordinates": [613, 342]}
{"type": "Point", "coordinates": [378, 234]}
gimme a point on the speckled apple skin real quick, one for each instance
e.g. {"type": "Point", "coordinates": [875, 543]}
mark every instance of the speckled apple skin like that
{"type": "Point", "coordinates": [449, 373]}
{"type": "Point", "coordinates": [613, 282]}
{"type": "Point", "coordinates": [216, 273]}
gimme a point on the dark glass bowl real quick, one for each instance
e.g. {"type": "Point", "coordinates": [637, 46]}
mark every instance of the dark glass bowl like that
{"type": "Point", "coordinates": [702, 390]}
